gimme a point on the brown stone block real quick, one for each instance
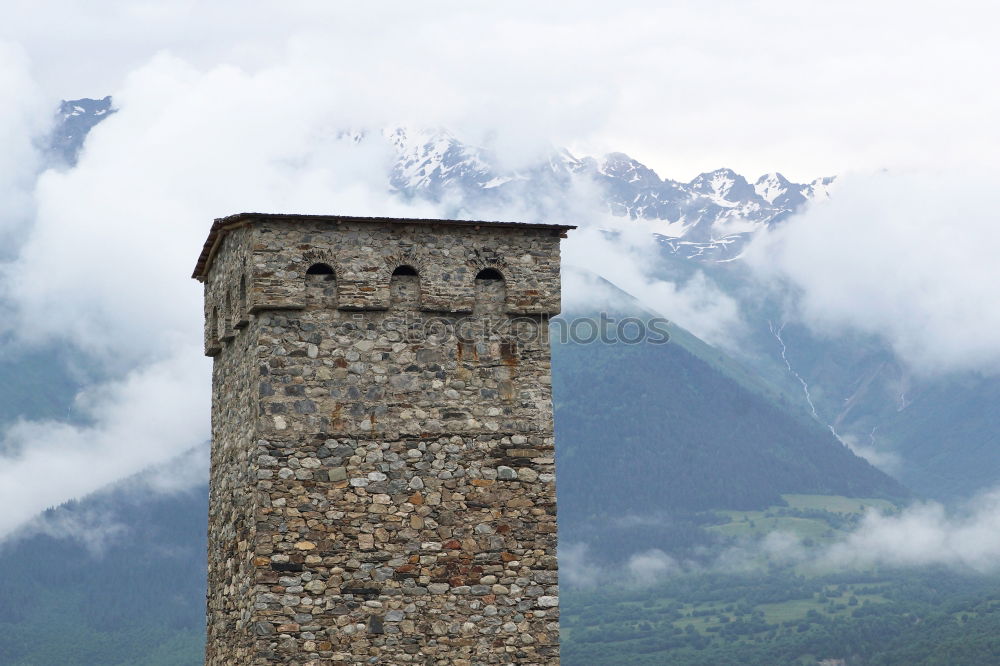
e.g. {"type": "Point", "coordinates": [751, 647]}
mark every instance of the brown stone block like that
{"type": "Point", "coordinates": [523, 453]}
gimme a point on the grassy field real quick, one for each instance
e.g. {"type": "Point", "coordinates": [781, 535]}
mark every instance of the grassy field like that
{"type": "Point", "coordinates": [751, 523]}
{"type": "Point", "coordinates": [836, 503]}
{"type": "Point", "coordinates": [815, 517]}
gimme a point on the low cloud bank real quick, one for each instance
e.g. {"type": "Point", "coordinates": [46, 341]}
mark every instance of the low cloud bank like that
{"type": "Point", "coordinates": [622, 252]}
{"type": "Point", "coordinates": [922, 534]}
{"type": "Point", "coordinates": [925, 534]}
{"type": "Point", "coordinates": [147, 418]}
{"type": "Point", "coordinates": [905, 255]}
{"type": "Point", "coordinates": [23, 119]}
{"type": "Point", "coordinates": [99, 521]}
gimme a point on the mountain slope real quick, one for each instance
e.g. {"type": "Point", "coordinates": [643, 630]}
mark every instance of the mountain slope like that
{"type": "Point", "coordinates": [685, 436]}
{"type": "Point", "coordinates": [38, 385]}
{"type": "Point", "coordinates": [938, 435]}
{"type": "Point", "coordinates": [134, 595]}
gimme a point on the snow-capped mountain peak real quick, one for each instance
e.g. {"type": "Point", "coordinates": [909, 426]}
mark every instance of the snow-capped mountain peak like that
{"type": "Point", "coordinates": [74, 120]}
{"type": "Point", "coordinates": [770, 186]}
{"type": "Point", "coordinates": [622, 167]}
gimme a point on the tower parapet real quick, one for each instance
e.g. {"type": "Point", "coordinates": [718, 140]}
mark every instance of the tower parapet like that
{"type": "Point", "coordinates": [383, 482]}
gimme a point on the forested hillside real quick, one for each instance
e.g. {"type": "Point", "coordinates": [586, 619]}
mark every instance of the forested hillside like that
{"type": "Point", "coordinates": [685, 436]}
{"type": "Point", "coordinates": [779, 618]}
{"type": "Point", "coordinates": [651, 437]}
{"type": "Point", "coordinates": [122, 582]}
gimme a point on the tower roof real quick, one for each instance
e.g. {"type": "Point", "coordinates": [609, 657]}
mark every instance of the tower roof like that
{"type": "Point", "coordinates": [222, 225]}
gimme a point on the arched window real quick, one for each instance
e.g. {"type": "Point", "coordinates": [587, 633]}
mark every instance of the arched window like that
{"type": "Point", "coordinates": [319, 269]}
{"type": "Point", "coordinates": [489, 274]}
{"type": "Point", "coordinates": [216, 332]}
{"type": "Point", "coordinates": [491, 292]}
{"type": "Point", "coordinates": [404, 287]}
{"type": "Point", "coordinates": [226, 325]}
{"type": "Point", "coordinates": [241, 315]}
{"type": "Point", "coordinates": [321, 285]}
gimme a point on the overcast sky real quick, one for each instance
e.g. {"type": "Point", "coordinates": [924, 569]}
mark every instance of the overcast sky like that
{"type": "Point", "coordinates": [807, 88]}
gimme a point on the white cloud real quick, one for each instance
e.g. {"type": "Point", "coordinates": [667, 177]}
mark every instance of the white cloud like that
{"type": "Point", "coordinates": [578, 569]}
{"type": "Point", "coordinates": [114, 240]}
{"type": "Point", "coordinates": [810, 90]}
{"type": "Point", "coordinates": [96, 522]}
{"type": "Point", "coordinates": [23, 118]}
{"type": "Point", "coordinates": [182, 473]}
{"type": "Point", "coordinates": [147, 418]}
{"type": "Point", "coordinates": [646, 567]}
{"type": "Point", "coordinates": [880, 456]}
{"type": "Point", "coordinates": [922, 534]}
{"type": "Point", "coordinates": [909, 256]}
{"type": "Point", "coordinates": [575, 567]}
{"type": "Point", "coordinates": [94, 528]}
{"type": "Point", "coordinates": [622, 252]}
{"type": "Point", "coordinates": [925, 534]}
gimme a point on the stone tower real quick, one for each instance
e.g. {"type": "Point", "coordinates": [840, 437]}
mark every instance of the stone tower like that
{"type": "Point", "coordinates": [382, 485]}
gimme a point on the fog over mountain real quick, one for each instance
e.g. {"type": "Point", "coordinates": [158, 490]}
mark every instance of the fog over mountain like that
{"type": "Point", "coordinates": [701, 226]}
{"type": "Point", "coordinates": [698, 247]}
{"type": "Point", "coordinates": [711, 217]}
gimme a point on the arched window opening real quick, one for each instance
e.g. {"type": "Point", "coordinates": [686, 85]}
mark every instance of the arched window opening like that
{"type": "Point", "coordinates": [241, 315]}
{"type": "Point", "coordinates": [404, 287]}
{"type": "Point", "coordinates": [321, 285]}
{"type": "Point", "coordinates": [215, 333]}
{"type": "Point", "coordinates": [409, 271]}
{"type": "Point", "coordinates": [491, 292]}
{"type": "Point", "coordinates": [489, 274]}
{"type": "Point", "coordinates": [319, 269]}
{"type": "Point", "coordinates": [226, 325]}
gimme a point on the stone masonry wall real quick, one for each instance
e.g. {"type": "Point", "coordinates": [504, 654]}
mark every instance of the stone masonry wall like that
{"type": "Point", "coordinates": [232, 509]}
{"type": "Point", "coordinates": [383, 483]}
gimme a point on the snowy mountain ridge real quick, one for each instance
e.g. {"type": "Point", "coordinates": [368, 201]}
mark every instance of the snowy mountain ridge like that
{"type": "Point", "coordinates": [708, 218]}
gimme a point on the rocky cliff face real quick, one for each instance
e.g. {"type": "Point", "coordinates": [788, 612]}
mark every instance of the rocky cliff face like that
{"type": "Point", "coordinates": [74, 120]}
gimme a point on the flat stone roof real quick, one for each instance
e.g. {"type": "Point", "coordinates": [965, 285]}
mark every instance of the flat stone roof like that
{"type": "Point", "coordinates": [222, 225]}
